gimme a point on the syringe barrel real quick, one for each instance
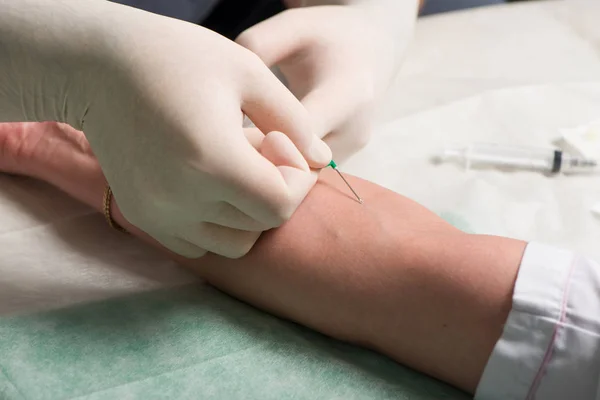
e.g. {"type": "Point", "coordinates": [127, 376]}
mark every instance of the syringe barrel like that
{"type": "Point", "coordinates": [504, 156]}
{"type": "Point", "coordinates": [516, 157]}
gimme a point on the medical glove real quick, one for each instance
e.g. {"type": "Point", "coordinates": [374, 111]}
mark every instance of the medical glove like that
{"type": "Point", "coordinates": [161, 102]}
{"type": "Point", "coordinates": [338, 59]}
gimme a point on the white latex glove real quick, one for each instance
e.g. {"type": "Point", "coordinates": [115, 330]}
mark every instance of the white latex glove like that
{"type": "Point", "coordinates": [161, 102]}
{"type": "Point", "coordinates": [338, 60]}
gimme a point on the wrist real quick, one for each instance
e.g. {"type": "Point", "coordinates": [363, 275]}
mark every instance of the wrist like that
{"type": "Point", "coordinates": [58, 154]}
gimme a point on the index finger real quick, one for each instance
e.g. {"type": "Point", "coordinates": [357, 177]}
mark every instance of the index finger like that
{"type": "Point", "coordinates": [272, 107]}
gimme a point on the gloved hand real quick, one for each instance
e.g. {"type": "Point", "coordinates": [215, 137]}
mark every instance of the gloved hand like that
{"type": "Point", "coordinates": [338, 60]}
{"type": "Point", "coordinates": [161, 103]}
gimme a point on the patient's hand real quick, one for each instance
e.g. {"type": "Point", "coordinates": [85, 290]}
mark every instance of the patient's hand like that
{"type": "Point", "coordinates": [26, 148]}
{"type": "Point", "coordinates": [55, 153]}
{"type": "Point", "coordinates": [388, 274]}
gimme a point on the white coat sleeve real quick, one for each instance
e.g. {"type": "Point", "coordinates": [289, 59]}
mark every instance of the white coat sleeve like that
{"type": "Point", "coordinates": [550, 346]}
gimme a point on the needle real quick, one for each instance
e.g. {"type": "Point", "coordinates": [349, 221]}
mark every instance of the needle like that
{"type": "Point", "coordinates": [333, 165]}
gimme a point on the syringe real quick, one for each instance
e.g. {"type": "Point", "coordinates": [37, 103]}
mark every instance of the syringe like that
{"type": "Point", "coordinates": [515, 157]}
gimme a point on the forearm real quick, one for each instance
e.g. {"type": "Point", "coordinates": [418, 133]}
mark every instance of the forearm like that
{"type": "Point", "coordinates": [435, 302]}
{"type": "Point", "coordinates": [387, 274]}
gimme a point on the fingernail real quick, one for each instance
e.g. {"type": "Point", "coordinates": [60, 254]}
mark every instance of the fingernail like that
{"type": "Point", "coordinates": [319, 153]}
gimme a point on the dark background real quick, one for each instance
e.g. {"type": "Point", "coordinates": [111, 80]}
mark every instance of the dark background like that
{"type": "Point", "coordinates": [231, 17]}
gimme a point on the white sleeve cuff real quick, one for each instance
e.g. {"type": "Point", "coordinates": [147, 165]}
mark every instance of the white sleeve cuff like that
{"type": "Point", "coordinates": [550, 346]}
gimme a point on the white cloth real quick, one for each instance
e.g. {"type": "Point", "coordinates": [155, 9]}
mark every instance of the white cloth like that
{"type": "Point", "coordinates": [550, 347]}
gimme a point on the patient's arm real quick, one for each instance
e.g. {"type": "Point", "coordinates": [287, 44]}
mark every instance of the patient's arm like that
{"type": "Point", "coordinates": [387, 274]}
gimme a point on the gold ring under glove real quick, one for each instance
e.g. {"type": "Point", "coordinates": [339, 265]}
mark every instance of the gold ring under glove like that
{"type": "Point", "coordinates": [107, 213]}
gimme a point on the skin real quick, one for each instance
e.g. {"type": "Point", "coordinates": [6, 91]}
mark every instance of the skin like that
{"type": "Point", "coordinates": [389, 274]}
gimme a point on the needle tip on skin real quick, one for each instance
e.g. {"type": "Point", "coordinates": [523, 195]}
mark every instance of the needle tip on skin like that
{"type": "Point", "coordinates": [333, 165]}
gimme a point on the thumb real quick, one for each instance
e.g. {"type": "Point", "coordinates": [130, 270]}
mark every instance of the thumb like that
{"type": "Point", "coordinates": [276, 38]}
